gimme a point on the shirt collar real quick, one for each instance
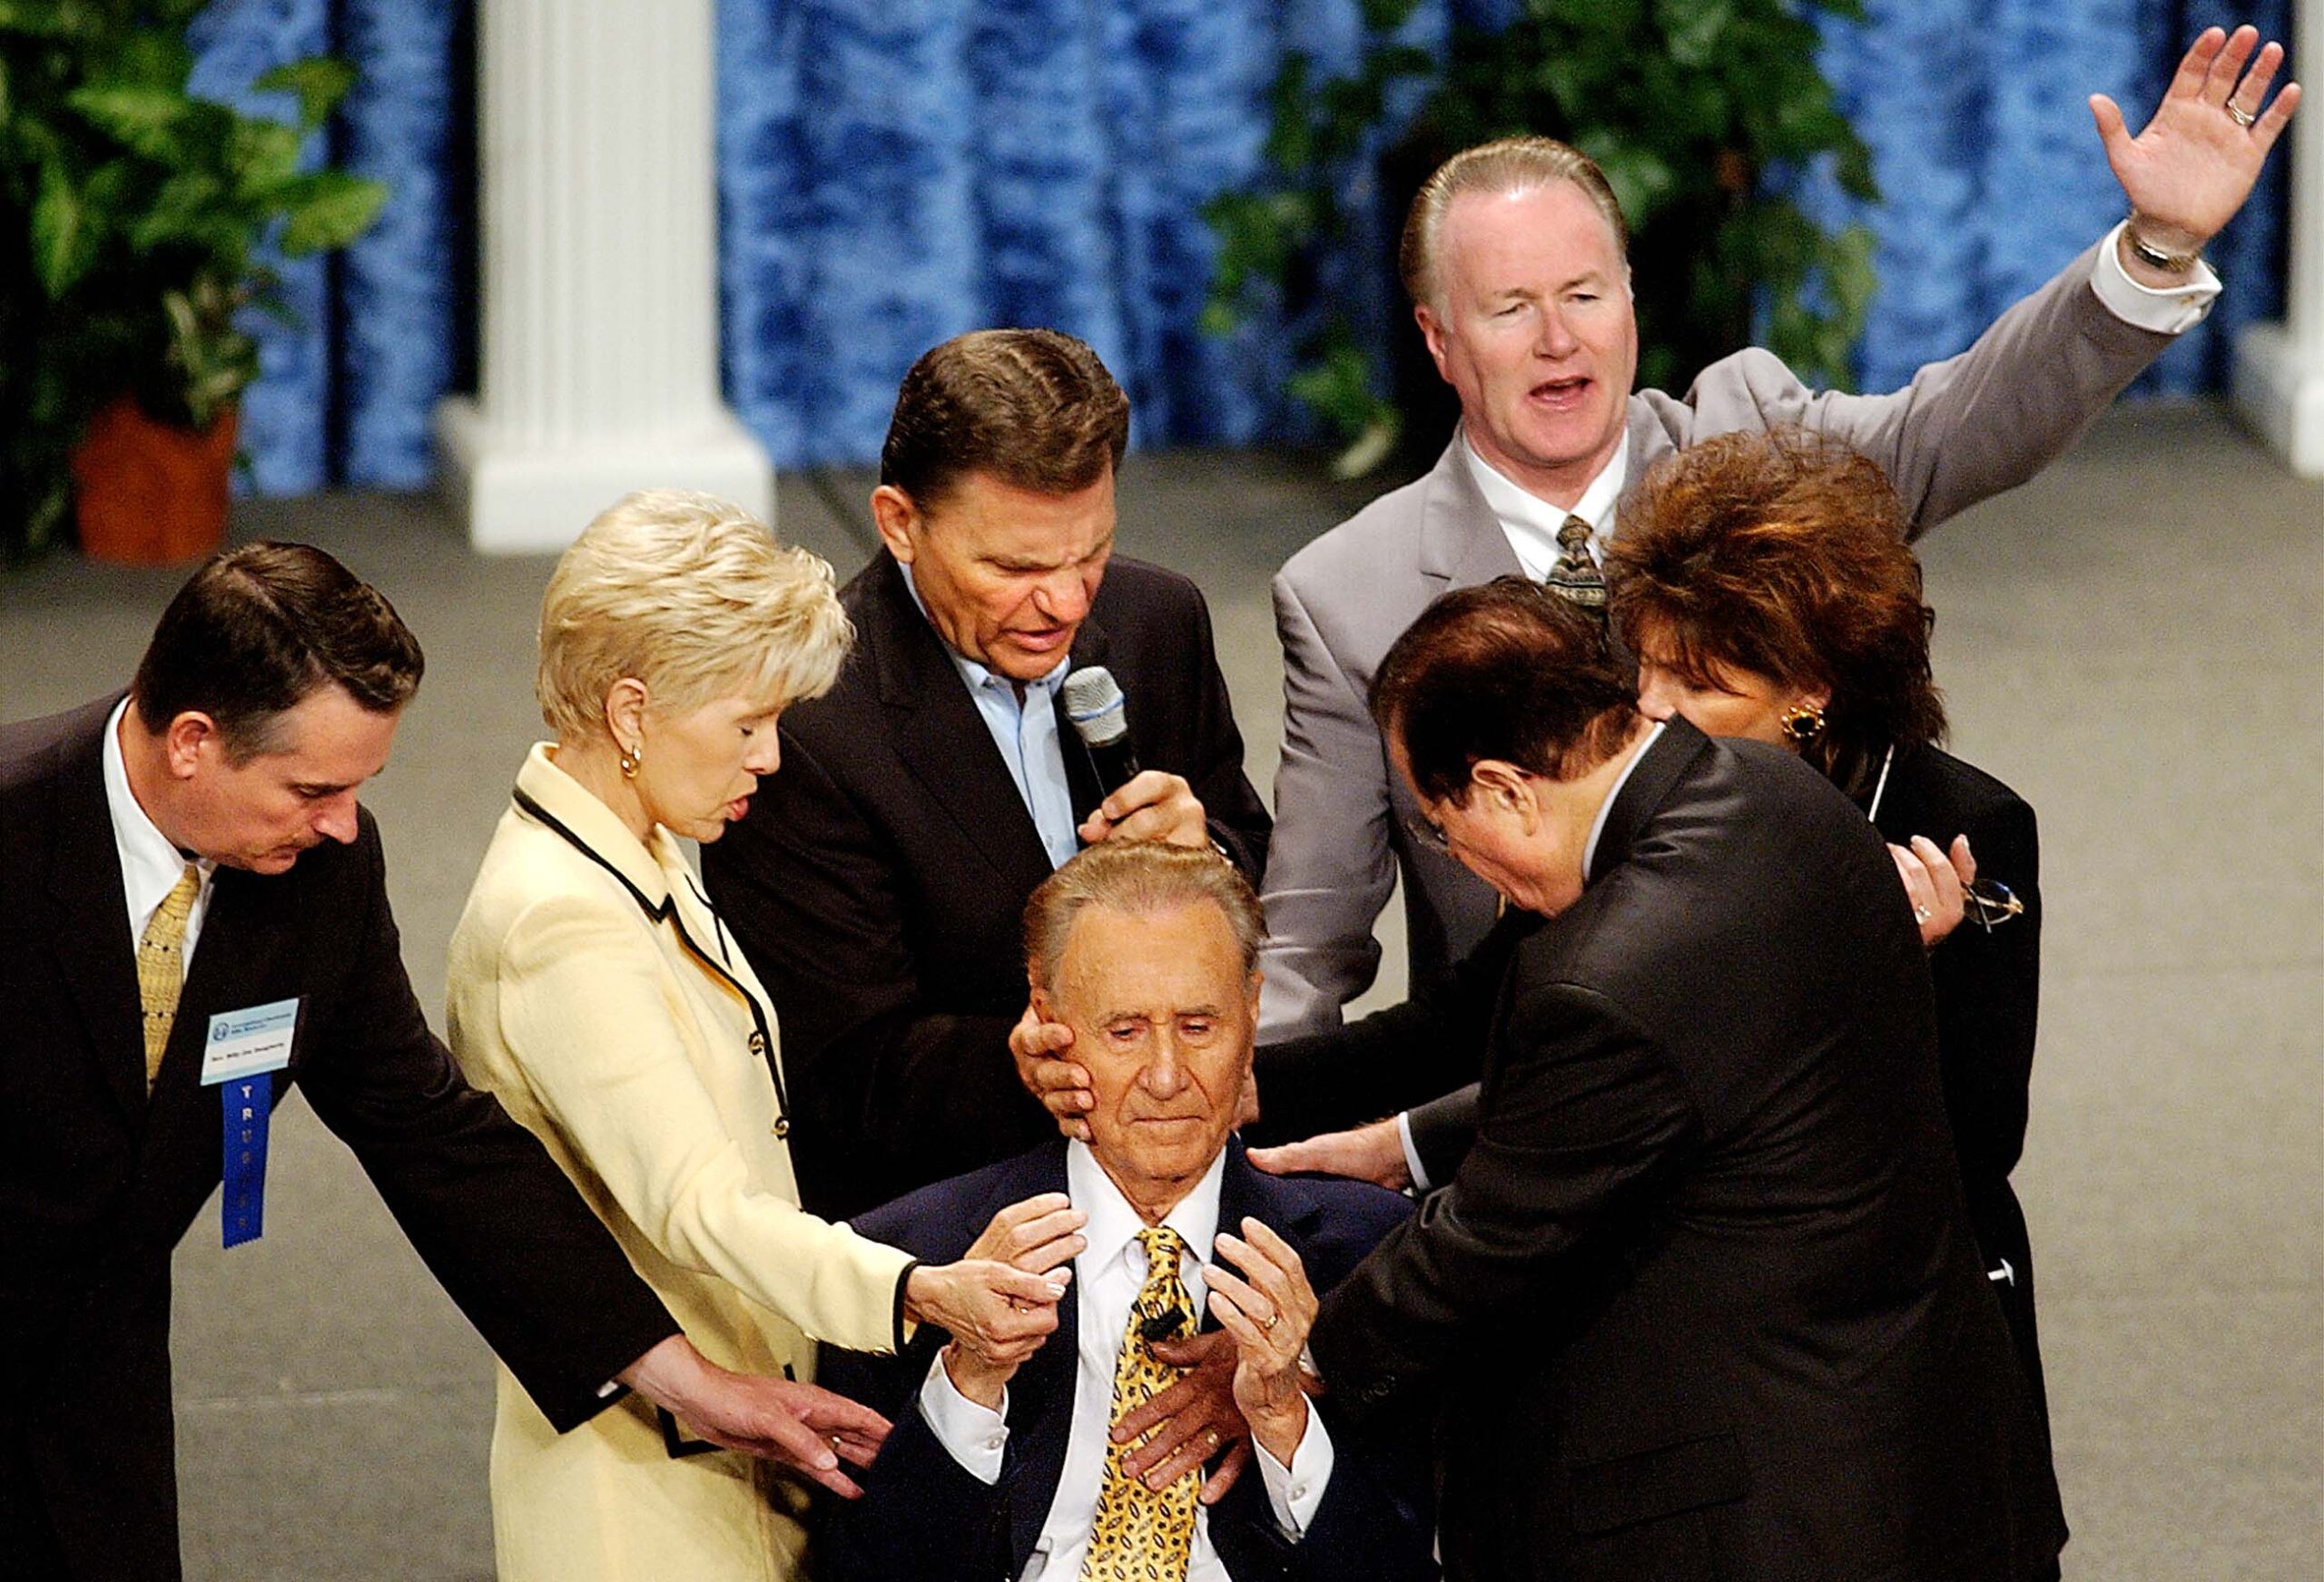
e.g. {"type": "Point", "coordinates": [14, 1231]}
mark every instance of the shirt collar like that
{"type": "Point", "coordinates": [1598, 824]}
{"type": "Point", "coordinates": [1517, 508]}
{"type": "Point", "coordinates": [151, 866]}
{"type": "Point", "coordinates": [1113, 1225]}
{"type": "Point", "coordinates": [976, 675]}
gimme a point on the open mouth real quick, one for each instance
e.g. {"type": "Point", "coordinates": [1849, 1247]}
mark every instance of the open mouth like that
{"type": "Point", "coordinates": [1560, 395]}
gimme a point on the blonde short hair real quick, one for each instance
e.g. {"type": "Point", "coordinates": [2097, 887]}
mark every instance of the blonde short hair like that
{"type": "Point", "coordinates": [691, 595]}
{"type": "Point", "coordinates": [1505, 167]}
{"type": "Point", "coordinates": [1138, 877]}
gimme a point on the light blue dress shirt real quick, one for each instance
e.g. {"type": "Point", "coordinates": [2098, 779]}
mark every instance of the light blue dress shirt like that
{"type": "Point", "coordinates": [1025, 730]}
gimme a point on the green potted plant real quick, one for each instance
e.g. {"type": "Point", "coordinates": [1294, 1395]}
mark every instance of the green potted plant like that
{"type": "Point", "coordinates": [140, 221]}
{"type": "Point", "coordinates": [1685, 104]}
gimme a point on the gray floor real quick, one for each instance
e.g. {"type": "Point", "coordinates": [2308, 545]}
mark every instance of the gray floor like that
{"type": "Point", "coordinates": [2133, 641]}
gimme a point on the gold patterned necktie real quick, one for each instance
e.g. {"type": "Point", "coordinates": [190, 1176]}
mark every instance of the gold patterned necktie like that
{"type": "Point", "coordinates": [1576, 574]}
{"type": "Point", "coordinates": [160, 966]}
{"type": "Point", "coordinates": [1141, 1533]}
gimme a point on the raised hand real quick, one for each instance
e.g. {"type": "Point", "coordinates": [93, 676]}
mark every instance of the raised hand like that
{"type": "Point", "coordinates": [2190, 170]}
{"type": "Point", "coordinates": [1036, 1235]}
{"type": "Point", "coordinates": [1269, 1311]}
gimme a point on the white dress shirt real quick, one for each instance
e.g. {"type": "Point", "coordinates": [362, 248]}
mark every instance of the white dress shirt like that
{"type": "Point", "coordinates": [150, 865]}
{"type": "Point", "coordinates": [1107, 1279]}
{"type": "Point", "coordinates": [1531, 523]}
{"type": "Point", "coordinates": [1023, 717]}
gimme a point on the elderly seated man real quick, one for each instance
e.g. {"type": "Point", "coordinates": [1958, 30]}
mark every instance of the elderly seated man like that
{"type": "Point", "coordinates": [1007, 1460]}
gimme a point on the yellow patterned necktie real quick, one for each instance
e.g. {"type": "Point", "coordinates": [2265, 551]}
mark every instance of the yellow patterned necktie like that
{"type": "Point", "coordinates": [160, 966]}
{"type": "Point", "coordinates": [1141, 1533]}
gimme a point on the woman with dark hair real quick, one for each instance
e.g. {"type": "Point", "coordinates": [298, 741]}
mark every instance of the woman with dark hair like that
{"type": "Point", "coordinates": [1764, 584]}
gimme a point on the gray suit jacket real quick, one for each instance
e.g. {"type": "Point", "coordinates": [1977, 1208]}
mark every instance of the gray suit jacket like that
{"type": "Point", "coordinates": [1963, 430]}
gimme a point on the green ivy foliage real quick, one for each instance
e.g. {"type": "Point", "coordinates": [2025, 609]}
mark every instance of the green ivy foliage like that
{"type": "Point", "coordinates": [135, 224]}
{"type": "Point", "coordinates": [1685, 104]}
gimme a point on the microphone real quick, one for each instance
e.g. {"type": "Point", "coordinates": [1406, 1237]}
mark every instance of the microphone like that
{"type": "Point", "coordinates": [1094, 702]}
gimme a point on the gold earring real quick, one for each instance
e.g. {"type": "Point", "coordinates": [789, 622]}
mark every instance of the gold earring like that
{"type": "Point", "coordinates": [631, 757]}
{"type": "Point", "coordinates": [1802, 722]}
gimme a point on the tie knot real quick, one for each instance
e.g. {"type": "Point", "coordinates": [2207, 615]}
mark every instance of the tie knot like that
{"type": "Point", "coordinates": [1164, 1248]}
{"type": "Point", "coordinates": [1573, 536]}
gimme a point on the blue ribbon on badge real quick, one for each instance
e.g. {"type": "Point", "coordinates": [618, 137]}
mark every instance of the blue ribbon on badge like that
{"type": "Point", "coordinates": [247, 1103]}
{"type": "Point", "coordinates": [240, 1058]}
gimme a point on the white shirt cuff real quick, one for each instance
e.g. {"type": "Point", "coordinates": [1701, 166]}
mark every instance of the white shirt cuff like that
{"type": "Point", "coordinates": [1295, 1493]}
{"type": "Point", "coordinates": [1412, 1154]}
{"type": "Point", "coordinates": [2169, 310]}
{"type": "Point", "coordinates": [975, 1436]}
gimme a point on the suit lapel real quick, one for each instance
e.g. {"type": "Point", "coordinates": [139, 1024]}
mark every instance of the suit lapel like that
{"type": "Point", "coordinates": [1658, 770]}
{"type": "Point", "coordinates": [94, 954]}
{"type": "Point", "coordinates": [938, 732]}
{"type": "Point", "coordinates": [1462, 544]}
{"type": "Point", "coordinates": [1042, 1397]}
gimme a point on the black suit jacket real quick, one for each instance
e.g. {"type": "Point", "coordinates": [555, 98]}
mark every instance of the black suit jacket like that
{"type": "Point", "coordinates": [924, 1516]}
{"type": "Point", "coordinates": [98, 1181]}
{"type": "Point", "coordinates": [1702, 1298]}
{"type": "Point", "coordinates": [1988, 993]}
{"type": "Point", "coordinates": [879, 882]}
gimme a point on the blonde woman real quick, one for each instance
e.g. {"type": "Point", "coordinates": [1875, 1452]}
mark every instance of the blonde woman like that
{"type": "Point", "coordinates": [594, 991]}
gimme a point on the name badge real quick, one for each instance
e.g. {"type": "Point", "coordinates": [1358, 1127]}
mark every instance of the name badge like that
{"type": "Point", "coordinates": [244, 1043]}
{"type": "Point", "coordinates": [240, 1058]}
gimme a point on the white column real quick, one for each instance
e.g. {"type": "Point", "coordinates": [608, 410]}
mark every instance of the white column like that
{"type": "Point", "coordinates": [2280, 368]}
{"type": "Point", "coordinates": [600, 312]}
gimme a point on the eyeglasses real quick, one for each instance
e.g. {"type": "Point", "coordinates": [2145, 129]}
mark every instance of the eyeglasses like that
{"type": "Point", "coordinates": [1429, 833]}
{"type": "Point", "coordinates": [1990, 903]}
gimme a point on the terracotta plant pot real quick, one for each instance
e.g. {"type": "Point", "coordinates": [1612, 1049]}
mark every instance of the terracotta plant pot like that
{"type": "Point", "coordinates": [147, 493]}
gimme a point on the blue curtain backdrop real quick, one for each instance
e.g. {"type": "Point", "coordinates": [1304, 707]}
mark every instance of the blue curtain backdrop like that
{"type": "Point", "coordinates": [894, 171]}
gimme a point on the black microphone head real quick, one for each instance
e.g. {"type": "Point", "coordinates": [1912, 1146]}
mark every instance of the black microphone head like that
{"type": "Point", "coordinates": [1093, 701]}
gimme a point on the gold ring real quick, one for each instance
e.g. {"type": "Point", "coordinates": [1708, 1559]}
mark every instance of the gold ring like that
{"type": "Point", "coordinates": [1273, 1319]}
{"type": "Point", "coordinates": [1212, 1436]}
{"type": "Point", "coordinates": [2239, 115]}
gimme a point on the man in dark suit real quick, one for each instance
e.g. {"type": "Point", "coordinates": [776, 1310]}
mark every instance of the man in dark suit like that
{"type": "Point", "coordinates": [1001, 1463]}
{"type": "Point", "coordinates": [877, 882]}
{"type": "Point", "coordinates": [1702, 1298]}
{"type": "Point", "coordinates": [195, 851]}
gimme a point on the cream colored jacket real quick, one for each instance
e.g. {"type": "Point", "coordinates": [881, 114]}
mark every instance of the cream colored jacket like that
{"type": "Point", "coordinates": [576, 999]}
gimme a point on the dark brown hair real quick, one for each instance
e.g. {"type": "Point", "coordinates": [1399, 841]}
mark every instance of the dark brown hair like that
{"type": "Point", "coordinates": [1783, 554]}
{"type": "Point", "coordinates": [1033, 409]}
{"type": "Point", "coordinates": [257, 630]}
{"type": "Point", "coordinates": [1508, 671]}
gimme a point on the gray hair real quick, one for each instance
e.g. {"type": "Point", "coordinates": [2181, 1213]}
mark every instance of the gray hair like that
{"type": "Point", "coordinates": [1506, 167]}
{"type": "Point", "coordinates": [1137, 876]}
{"type": "Point", "coordinates": [690, 595]}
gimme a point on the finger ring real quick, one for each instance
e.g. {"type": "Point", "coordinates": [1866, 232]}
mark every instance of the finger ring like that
{"type": "Point", "coordinates": [1211, 1436]}
{"type": "Point", "coordinates": [2239, 115]}
{"type": "Point", "coordinates": [1273, 1319]}
{"type": "Point", "coordinates": [1922, 914]}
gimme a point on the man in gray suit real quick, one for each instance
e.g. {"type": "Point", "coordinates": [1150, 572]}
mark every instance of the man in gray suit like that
{"type": "Point", "coordinates": [1515, 256]}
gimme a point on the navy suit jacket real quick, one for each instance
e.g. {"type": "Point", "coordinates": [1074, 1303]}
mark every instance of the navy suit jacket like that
{"type": "Point", "coordinates": [925, 1516]}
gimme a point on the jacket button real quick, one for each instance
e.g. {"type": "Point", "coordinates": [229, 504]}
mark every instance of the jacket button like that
{"type": "Point", "coordinates": [758, 1045]}
{"type": "Point", "coordinates": [781, 1127]}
